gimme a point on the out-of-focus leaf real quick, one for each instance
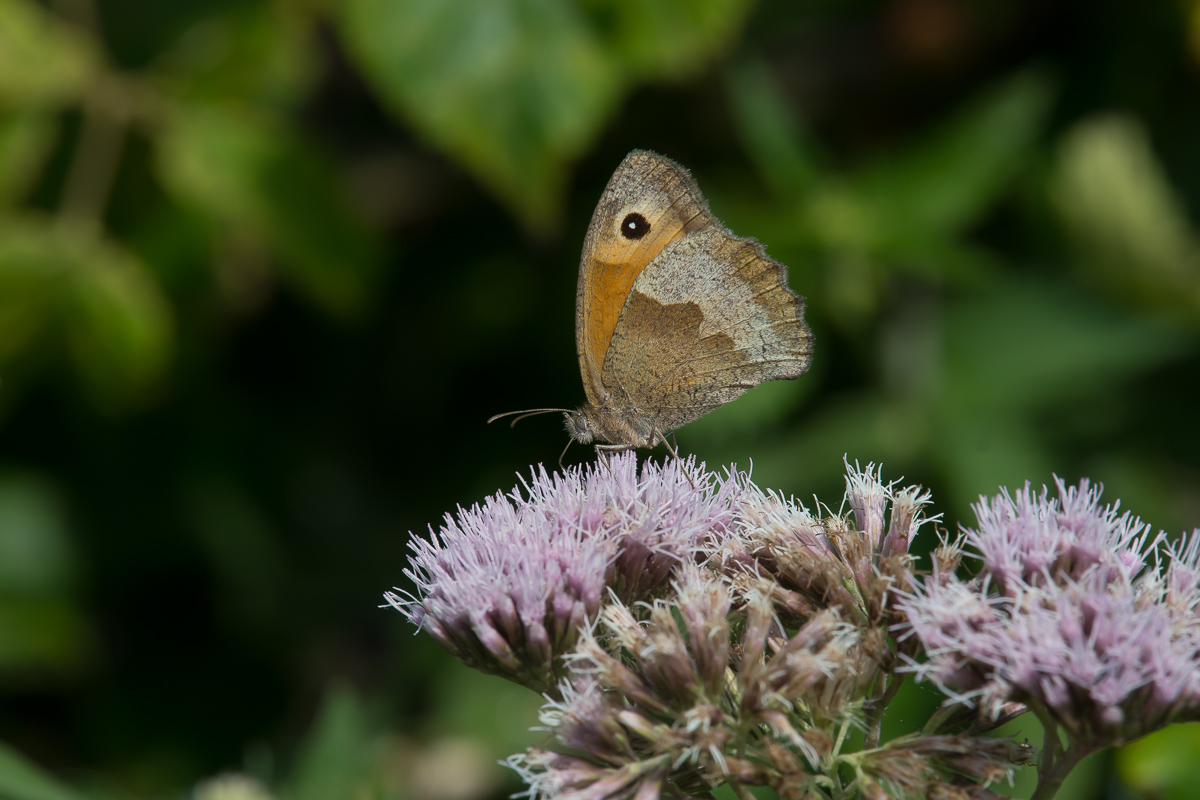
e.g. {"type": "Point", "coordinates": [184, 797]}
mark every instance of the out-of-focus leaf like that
{"type": "Point", "coordinates": [21, 779]}
{"type": "Point", "coordinates": [43, 61]}
{"type": "Point", "coordinates": [495, 712]}
{"type": "Point", "coordinates": [211, 158]}
{"type": "Point", "coordinates": [513, 89]}
{"type": "Point", "coordinates": [1129, 225]}
{"type": "Point", "coordinates": [119, 326]}
{"type": "Point", "coordinates": [516, 89]}
{"type": "Point", "coordinates": [335, 759]}
{"type": "Point", "coordinates": [1165, 764]}
{"type": "Point", "coordinates": [41, 638]}
{"type": "Point", "coordinates": [254, 180]}
{"type": "Point", "coordinates": [261, 54]}
{"type": "Point", "coordinates": [951, 175]}
{"type": "Point", "coordinates": [667, 38]}
{"type": "Point", "coordinates": [860, 427]}
{"type": "Point", "coordinates": [758, 411]}
{"type": "Point", "coordinates": [1026, 345]}
{"type": "Point", "coordinates": [772, 135]}
{"type": "Point", "coordinates": [42, 631]}
{"type": "Point", "coordinates": [977, 451]}
{"type": "Point", "coordinates": [237, 537]}
{"type": "Point", "coordinates": [110, 314]}
{"type": "Point", "coordinates": [35, 551]}
{"type": "Point", "coordinates": [25, 141]}
{"type": "Point", "coordinates": [29, 283]}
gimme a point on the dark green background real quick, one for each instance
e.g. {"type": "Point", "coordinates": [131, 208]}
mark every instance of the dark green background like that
{"type": "Point", "coordinates": [266, 268]}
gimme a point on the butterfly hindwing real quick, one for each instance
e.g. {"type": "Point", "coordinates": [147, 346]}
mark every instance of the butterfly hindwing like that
{"type": "Point", "coordinates": [709, 318]}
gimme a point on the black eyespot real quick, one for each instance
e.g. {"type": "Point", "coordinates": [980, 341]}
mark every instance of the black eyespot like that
{"type": "Point", "coordinates": [634, 226]}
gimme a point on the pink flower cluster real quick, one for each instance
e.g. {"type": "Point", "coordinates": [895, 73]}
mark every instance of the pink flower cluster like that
{"type": "Point", "coordinates": [1070, 613]}
{"type": "Point", "coordinates": [506, 585]}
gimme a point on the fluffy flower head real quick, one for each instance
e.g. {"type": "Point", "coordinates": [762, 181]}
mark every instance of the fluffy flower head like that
{"type": "Point", "coordinates": [506, 585]}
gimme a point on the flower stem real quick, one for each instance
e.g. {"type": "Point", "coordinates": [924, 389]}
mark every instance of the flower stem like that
{"type": "Point", "coordinates": [94, 164]}
{"type": "Point", "coordinates": [1057, 761]}
{"type": "Point", "coordinates": [875, 708]}
{"type": "Point", "coordinates": [741, 791]}
{"type": "Point", "coordinates": [1051, 780]}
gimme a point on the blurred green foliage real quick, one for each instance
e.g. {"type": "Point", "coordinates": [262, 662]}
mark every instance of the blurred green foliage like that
{"type": "Point", "coordinates": [517, 89]}
{"type": "Point", "coordinates": [266, 266]}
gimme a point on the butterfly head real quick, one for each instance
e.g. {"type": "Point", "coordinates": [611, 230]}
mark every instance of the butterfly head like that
{"type": "Point", "coordinates": [580, 425]}
{"type": "Point", "coordinates": [622, 427]}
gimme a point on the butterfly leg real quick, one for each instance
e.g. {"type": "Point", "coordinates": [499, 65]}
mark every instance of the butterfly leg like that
{"type": "Point", "coordinates": [603, 449]}
{"type": "Point", "coordinates": [674, 451]}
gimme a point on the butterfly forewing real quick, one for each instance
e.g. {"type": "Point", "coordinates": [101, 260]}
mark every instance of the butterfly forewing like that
{"type": "Point", "coordinates": [650, 202]}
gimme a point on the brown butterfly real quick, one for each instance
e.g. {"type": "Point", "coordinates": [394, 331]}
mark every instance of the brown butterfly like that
{"type": "Point", "coordinates": [675, 315]}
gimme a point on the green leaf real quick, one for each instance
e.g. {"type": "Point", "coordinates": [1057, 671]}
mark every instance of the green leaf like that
{"type": "Point", "coordinates": [36, 557]}
{"type": "Point", "coordinates": [667, 38]}
{"type": "Point", "coordinates": [119, 326]}
{"type": "Point", "coordinates": [253, 180]}
{"type": "Point", "coordinates": [335, 759]}
{"type": "Point", "coordinates": [1028, 345]}
{"type": "Point", "coordinates": [979, 451]}
{"type": "Point", "coordinates": [760, 411]}
{"type": "Point", "coordinates": [1130, 226]}
{"type": "Point", "coordinates": [43, 61]}
{"type": "Point", "coordinates": [30, 279]}
{"type": "Point", "coordinates": [513, 89]}
{"type": "Point", "coordinates": [93, 298]}
{"type": "Point", "coordinates": [21, 779]}
{"type": "Point", "coordinates": [26, 140]}
{"type": "Point", "coordinates": [42, 638]}
{"type": "Point", "coordinates": [771, 132]}
{"type": "Point", "coordinates": [949, 177]}
{"type": "Point", "coordinates": [1165, 764]}
{"type": "Point", "coordinates": [260, 54]}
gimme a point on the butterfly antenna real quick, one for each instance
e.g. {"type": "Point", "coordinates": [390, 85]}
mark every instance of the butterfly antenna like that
{"type": "Point", "coordinates": [529, 412]}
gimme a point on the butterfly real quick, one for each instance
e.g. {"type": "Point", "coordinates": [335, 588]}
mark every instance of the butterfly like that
{"type": "Point", "coordinates": [675, 315]}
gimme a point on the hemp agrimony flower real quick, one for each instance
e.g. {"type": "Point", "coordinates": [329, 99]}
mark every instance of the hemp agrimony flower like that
{"type": "Point", "coordinates": [1067, 617]}
{"type": "Point", "coordinates": [506, 585]}
{"type": "Point", "coordinates": [690, 632]}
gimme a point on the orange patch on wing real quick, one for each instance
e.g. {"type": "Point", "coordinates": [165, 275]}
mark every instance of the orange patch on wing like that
{"type": "Point", "coordinates": [615, 265]}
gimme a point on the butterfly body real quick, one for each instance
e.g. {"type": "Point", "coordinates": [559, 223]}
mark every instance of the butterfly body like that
{"type": "Point", "coordinates": [675, 314]}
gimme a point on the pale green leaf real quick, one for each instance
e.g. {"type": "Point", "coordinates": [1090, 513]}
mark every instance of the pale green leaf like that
{"type": "Point", "coordinates": [21, 779]}
{"type": "Point", "coordinates": [119, 327]}
{"type": "Point", "coordinates": [335, 758]}
{"type": "Point", "coordinates": [1129, 225]}
{"type": "Point", "coordinates": [36, 556]}
{"type": "Point", "coordinates": [1165, 764]}
{"type": "Point", "coordinates": [43, 60]}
